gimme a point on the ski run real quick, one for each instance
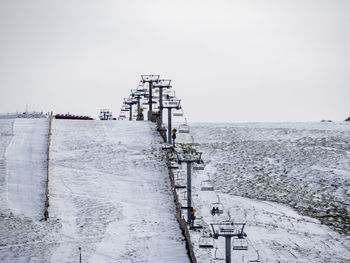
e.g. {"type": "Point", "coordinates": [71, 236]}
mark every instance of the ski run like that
{"type": "Point", "coordinates": [110, 196]}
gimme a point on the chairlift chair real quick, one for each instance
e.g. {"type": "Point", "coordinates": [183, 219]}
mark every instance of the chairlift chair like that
{"type": "Point", "coordinates": [167, 147]}
{"type": "Point", "coordinates": [178, 113]}
{"type": "Point", "coordinates": [216, 259]}
{"type": "Point", "coordinates": [199, 167]}
{"type": "Point", "coordinates": [206, 242]}
{"type": "Point", "coordinates": [180, 183]}
{"type": "Point", "coordinates": [184, 128]}
{"type": "Point", "coordinates": [239, 244]}
{"type": "Point", "coordinates": [255, 260]}
{"type": "Point", "coordinates": [173, 165]}
{"type": "Point", "coordinates": [206, 186]}
{"type": "Point", "coordinates": [216, 208]}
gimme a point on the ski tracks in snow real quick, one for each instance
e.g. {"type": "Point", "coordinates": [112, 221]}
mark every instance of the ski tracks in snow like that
{"type": "Point", "coordinates": [108, 191]}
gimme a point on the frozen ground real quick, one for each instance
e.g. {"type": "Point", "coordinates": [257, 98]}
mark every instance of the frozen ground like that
{"type": "Point", "coordinates": [109, 195]}
{"type": "Point", "coordinates": [304, 166]}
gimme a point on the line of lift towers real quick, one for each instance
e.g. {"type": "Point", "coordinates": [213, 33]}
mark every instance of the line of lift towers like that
{"type": "Point", "coordinates": [156, 94]}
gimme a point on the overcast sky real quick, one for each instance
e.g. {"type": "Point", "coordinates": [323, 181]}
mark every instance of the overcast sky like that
{"type": "Point", "coordinates": [229, 61]}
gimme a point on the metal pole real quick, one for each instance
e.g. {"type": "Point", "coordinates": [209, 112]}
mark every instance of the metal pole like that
{"type": "Point", "coordinates": [228, 249]}
{"type": "Point", "coordinates": [138, 104]}
{"type": "Point", "coordinates": [150, 100]}
{"type": "Point", "coordinates": [161, 104]}
{"type": "Point", "coordinates": [169, 125]}
{"type": "Point", "coordinates": [130, 114]}
{"type": "Point", "coordinates": [189, 192]}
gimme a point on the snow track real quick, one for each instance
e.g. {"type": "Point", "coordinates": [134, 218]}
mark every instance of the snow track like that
{"type": "Point", "coordinates": [111, 194]}
{"type": "Point", "coordinates": [23, 155]}
{"type": "Point", "coordinates": [26, 162]}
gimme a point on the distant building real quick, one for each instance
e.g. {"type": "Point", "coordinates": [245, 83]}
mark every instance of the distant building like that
{"type": "Point", "coordinates": [72, 117]}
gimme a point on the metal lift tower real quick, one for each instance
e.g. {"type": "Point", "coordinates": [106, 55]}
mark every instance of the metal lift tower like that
{"type": "Point", "coordinates": [228, 230]}
{"type": "Point", "coordinates": [150, 79]}
{"type": "Point", "coordinates": [171, 104]}
{"type": "Point", "coordinates": [130, 102]}
{"type": "Point", "coordinates": [162, 84]}
{"type": "Point", "coordinates": [189, 158]}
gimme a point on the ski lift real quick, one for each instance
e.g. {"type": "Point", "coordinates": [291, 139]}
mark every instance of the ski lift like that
{"type": "Point", "coordinates": [255, 260]}
{"type": "Point", "coordinates": [173, 165]}
{"type": "Point", "coordinates": [216, 208]}
{"type": "Point", "coordinates": [180, 183]}
{"type": "Point", "coordinates": [184, 128]}
{"type": "Point", "coordinates": [239, 244]}
{"type": "Point", "coordinates": [178, 113]}
{"type": "Point", "coordinates": [199, 167]}
{"type": "Point", "coordinates": [141, 89]}
{"type": "Point", "coordinates": [216, 259]}
{"type": "Point", "coordinates": [206, 186]}
{"type": "Point", "coordinates": [206, 242]}
{"type": "Point", "coordinates": [183, 201]}
{"type": "Point", "coordinates": [167, 147]}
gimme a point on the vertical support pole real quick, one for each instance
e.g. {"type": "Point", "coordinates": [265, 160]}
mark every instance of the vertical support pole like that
{"type": "Point", "coordinates": [169, 125]}
{"type": "Point", "coordinates": [138, 104]}
{"type": "Point", "coordinates": [150, 101]}
{"type": "Point", "coordinates": [228, 249]}
{"type": "Point", "coordinates": [161, 104]}
{"type": "Point", "coordinates": [130, 112]}
{"type": "Point", "coordinates": [189, 192]}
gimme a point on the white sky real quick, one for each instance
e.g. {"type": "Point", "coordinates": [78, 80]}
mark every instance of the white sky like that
{"type": "Point", "coordinates": [230, 61]}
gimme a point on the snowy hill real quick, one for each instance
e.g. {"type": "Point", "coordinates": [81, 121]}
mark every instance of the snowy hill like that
{"type": "Point", "coordinates": [109, 195]}
{"type": "Point", "coordinates": [299, 165]}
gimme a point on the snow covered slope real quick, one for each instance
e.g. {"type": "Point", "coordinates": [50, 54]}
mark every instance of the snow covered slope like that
{"type": "Point", "coordinates": [304, 165]}
{"type": "Point", "coordinates": [26, 165]}
{"type": "Point", "coordinates": [300, 165]}
{"type": "Point", "coordinates": [111, 194]}
{"type": "Point", "coordinates": [23, 155]}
